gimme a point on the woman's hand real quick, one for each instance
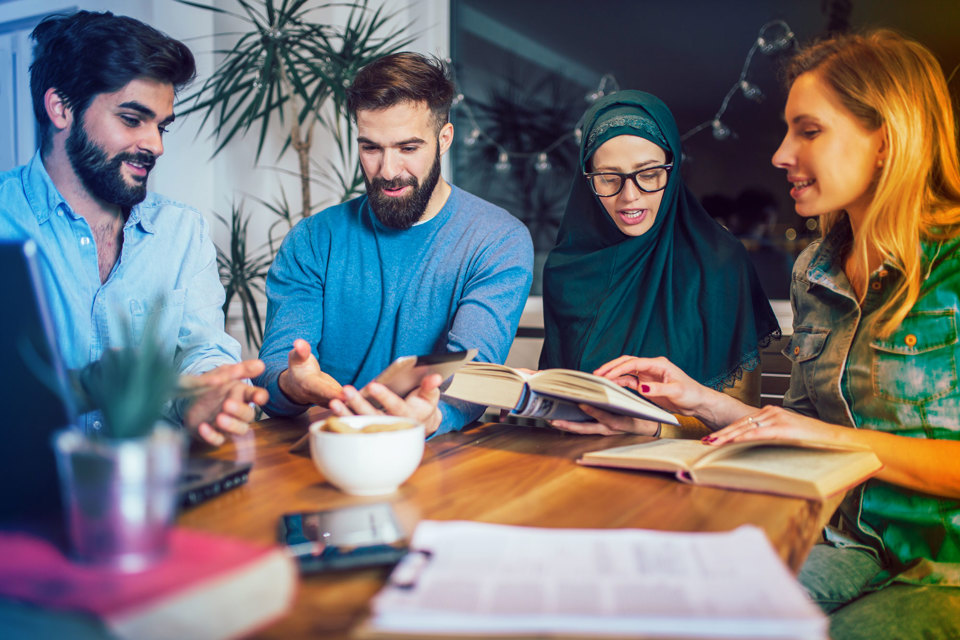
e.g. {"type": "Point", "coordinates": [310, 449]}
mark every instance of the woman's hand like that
{"type": "Point", "coordinates": [666, 384]}
{"type": "Point", "coordinates": [607, 424]}
{"type": "Point", "coordinates": [777, 423]}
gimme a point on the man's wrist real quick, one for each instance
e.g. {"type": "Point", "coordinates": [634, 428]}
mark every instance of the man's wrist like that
{"type": "Point", "coordinates": [284, 384]}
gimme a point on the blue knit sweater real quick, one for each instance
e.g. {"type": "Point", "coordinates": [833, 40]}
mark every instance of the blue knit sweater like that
{"type": "Point", "coordinates": [363, 294]}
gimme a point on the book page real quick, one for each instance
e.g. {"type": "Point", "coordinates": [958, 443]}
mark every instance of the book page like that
{"type": "Point", "coordinates": [495, 385]}
{"type": "Point", "coordinates": [484, 578]}
{"type": "Point", "coordinates": [585, 387]}
{"type": "Point", "coordinates": [664, 454]}
{"type": "Point", "coordinates": [788, 469]}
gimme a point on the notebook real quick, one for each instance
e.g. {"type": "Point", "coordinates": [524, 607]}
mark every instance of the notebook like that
{"type": "Point", "coordinates": [33, 404]}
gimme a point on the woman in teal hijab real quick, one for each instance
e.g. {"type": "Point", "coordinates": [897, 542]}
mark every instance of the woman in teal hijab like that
{"type": "Point", "coordinates": [639, 267]}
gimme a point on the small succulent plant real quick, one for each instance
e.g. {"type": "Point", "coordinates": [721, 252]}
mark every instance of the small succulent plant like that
{"type": "Point", "coordinates": [131, 384]}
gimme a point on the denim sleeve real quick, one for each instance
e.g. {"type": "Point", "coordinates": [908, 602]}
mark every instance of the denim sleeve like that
{"type": "Point", "coordinates": [489, 312]}
{"type": "Point", "coordinates": [294, 310]}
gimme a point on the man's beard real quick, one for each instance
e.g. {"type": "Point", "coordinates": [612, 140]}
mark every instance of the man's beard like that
{"type": "Point", "coordinates": [402, 213]}
{"type": "Point", "coordinates": [102, 176]}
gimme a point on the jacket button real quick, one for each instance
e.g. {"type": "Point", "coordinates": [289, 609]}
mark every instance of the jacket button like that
{"type": "Point", "coordinates": [883, 273]}
{"type": "Point", "coordinates": [796, 351]}
{"type": "Point", "coordinates": [875, 285]}
{"type": "Point", "coordinates": [910, 340]}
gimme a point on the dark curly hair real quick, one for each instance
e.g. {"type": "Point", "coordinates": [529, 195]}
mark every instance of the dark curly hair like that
{"type": "Point", "coordinates": [86, 53]}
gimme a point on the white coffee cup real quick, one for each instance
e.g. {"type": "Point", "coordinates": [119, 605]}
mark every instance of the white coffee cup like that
{"type": "Point", "coordinates": [367, 464]}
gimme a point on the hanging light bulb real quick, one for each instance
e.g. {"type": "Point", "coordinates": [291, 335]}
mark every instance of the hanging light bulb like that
{"type": "Point", "coordinates": [457, 99]}
{"type": "Point", "coordinates": [720, 130]}
{"type": "Point", "coordinates": [751, 91]}
{"type": "Point", "coordinates": [578, 134]}
{"type": "Point", "coordinates": [503, 163]}
{"type": "Point", "coordinates": [542, 164]}
{"type": "Point", "coordinates": [774, 37]}
{"type": "Point", "coordinates": [593, 96]}
{"type": "Point", "coordinates": [472, 138]}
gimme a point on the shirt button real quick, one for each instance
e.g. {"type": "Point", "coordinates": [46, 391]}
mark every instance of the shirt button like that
{"type": "Point", "coordinates": [875, 285]}
{"type": "Point", "coordinates": [84, 241]}
{"type": "Point", "coordinates": [60, 212]}
{"type": "Point", "coordinates": [796, 351]}
{"type": "Point", "coordinates": [910, 340]}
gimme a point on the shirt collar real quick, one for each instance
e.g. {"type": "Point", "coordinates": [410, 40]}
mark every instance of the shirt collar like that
{"type": "Point", "coordinates": [138, 216]}
{"type": "Point", "coordinates": [828, 260]}
{"type": "Point", "coordinates": [45, 199]}
{"type": "Point", "coordinates": [42, 194]}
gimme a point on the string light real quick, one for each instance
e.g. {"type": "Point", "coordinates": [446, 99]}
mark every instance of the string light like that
{"type": "Point", "coordinates": [608, 84]}
{"type": "Point", "coordinates": [774, 37]}
{"type": "Point", "coordinates": [543, 164]}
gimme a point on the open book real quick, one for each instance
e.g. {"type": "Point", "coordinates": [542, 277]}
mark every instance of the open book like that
{"type": "Point", "coordinates": [551, 394]}
{"type": "Point", "coordinates": [480, 580]}
{"type": "Point", "coordinates": [802, 468]}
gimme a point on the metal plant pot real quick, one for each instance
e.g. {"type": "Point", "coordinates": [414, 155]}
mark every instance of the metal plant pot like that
{"type": "Point", "coordinates": [120, 496]}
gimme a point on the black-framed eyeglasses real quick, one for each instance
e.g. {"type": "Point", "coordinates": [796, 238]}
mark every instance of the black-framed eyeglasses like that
{"type": "Point", "coordinates": [607, 184]}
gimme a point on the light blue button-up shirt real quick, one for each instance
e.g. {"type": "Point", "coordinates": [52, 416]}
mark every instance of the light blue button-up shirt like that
{"type": "Point", "coordinates": [167, 255]}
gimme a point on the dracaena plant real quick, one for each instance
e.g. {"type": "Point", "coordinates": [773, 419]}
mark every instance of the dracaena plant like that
{"type": "Point", "coordinates": [286, 71]}
{"type": "Point", "coordinates": [290, 70]}
{"type": "Point", "coordinates": [243, 273]}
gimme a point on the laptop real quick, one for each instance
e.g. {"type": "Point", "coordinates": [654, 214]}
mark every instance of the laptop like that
{"type": "Point", "coordinates": [34, 404]}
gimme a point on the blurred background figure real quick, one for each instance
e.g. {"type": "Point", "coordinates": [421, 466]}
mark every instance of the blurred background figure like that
{"type": "Point", "coordinates": [753, 219]}
{"type": "Point", "coordinates": [720, 208]}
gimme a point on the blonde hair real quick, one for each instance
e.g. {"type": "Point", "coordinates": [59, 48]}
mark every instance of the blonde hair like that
{"type": "Point", "coordinates": [886, 80]}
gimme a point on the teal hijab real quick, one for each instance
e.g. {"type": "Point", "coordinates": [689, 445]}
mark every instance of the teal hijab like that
{"type": "Point", "coordinates": [685, 289]}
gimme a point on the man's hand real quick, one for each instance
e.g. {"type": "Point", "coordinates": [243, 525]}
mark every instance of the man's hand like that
{"type": "Point", "coordinates": [420, 405]}
{"type": "Point", "coordinates": [222, 405]}
{"type": "Point", "coordinates": [303, 381]}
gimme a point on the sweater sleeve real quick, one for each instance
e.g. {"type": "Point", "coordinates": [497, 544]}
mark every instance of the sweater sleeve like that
{"type": "Point", "coordinates": [489, 309]}
{"type": "Point", "coordinates": [294, 310]}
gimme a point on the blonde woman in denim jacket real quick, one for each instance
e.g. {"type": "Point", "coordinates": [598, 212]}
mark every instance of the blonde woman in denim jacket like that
{"type": "Point", "coordinates": [871, 149]}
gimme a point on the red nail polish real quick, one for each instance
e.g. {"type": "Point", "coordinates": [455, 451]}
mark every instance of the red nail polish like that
{"type": "Point", "coordinates": [644, 388]}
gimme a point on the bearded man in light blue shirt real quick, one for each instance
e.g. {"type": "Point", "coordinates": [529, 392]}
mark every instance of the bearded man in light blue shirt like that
{"type": "Point", "coordinates": [103, 88]}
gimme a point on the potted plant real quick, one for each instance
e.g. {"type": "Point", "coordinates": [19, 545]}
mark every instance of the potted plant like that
{"type": "Point", "coordinates": [287, 70]}
{"type": "Point", "coordinates": [119, 484]}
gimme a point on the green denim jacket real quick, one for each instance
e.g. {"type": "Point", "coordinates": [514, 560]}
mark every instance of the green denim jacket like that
{"type": "Point", "coordinates": [905, 383]}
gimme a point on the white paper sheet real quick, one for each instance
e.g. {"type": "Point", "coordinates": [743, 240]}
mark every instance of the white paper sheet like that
{"type": "Point", "coordinates": [478, 578]}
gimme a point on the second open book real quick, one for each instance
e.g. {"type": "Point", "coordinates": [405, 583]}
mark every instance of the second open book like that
{"type": "Point", "coordinates": [551, 394]}
{"type": "Point", "coordinates": [802, 468]}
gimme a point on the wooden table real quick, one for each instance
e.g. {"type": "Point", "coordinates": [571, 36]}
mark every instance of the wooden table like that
{"type": "Point", "coordinates": [491, 473]}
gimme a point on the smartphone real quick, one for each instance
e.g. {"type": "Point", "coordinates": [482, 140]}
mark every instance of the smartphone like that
{"type": "Point", "coordinates": [345, 538]}
{"type": "Point", "coordinates": [406, 372]}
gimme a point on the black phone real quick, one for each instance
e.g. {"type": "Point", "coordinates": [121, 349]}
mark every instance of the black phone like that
{"type": "Point", "coordinates": [345, 538]}
{"type": "Point", "coordinates": [406, 372]}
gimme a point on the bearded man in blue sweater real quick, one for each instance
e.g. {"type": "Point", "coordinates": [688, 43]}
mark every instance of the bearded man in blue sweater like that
{"type": "Point", "coordinates": [415, 266]}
